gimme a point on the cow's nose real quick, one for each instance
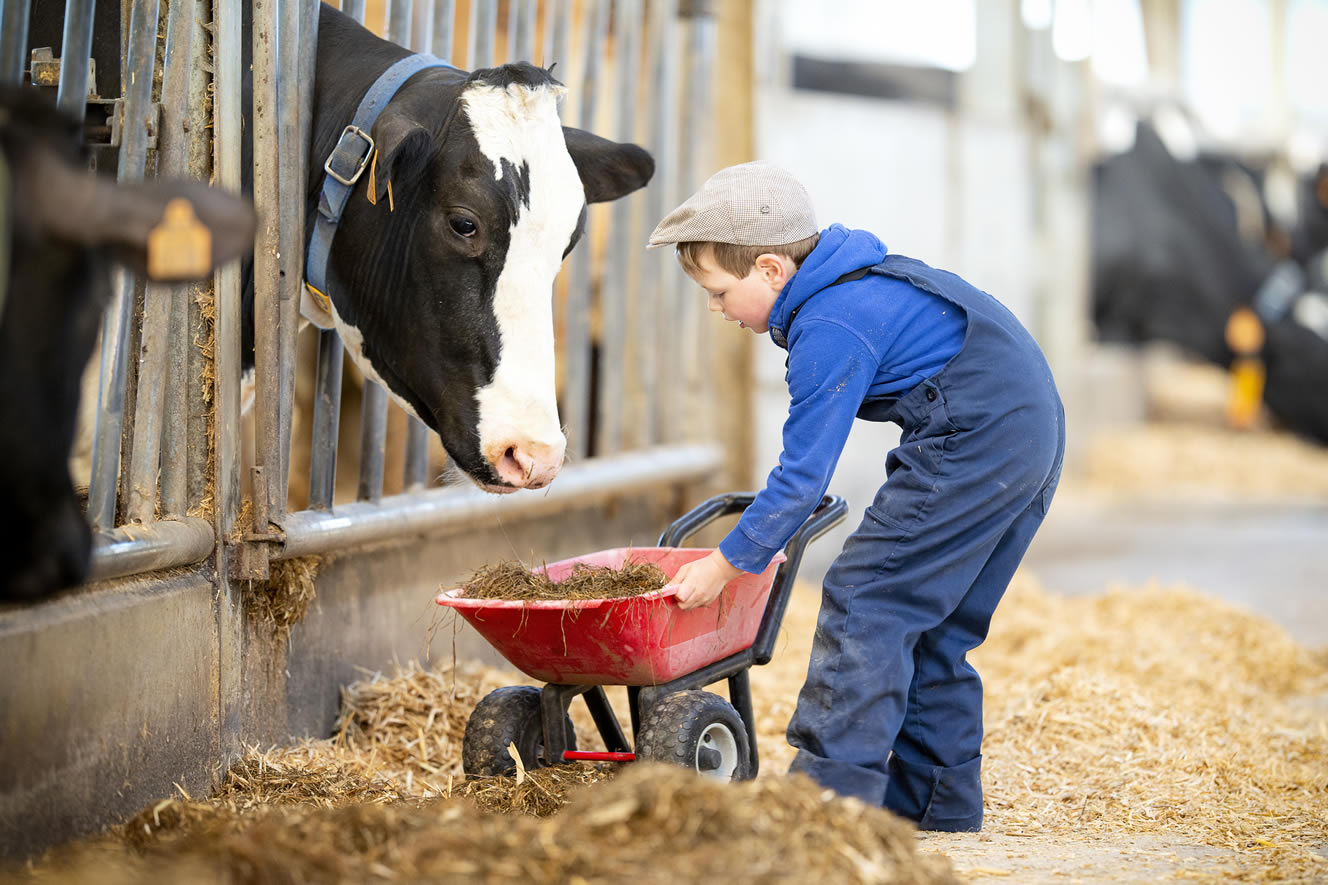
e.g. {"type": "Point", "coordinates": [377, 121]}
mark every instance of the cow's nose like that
{"type": "Point", "coordinates": [529, 465]}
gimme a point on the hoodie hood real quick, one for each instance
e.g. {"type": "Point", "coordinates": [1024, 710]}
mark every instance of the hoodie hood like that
{"type": "Point", "coordinates": [840, 251]}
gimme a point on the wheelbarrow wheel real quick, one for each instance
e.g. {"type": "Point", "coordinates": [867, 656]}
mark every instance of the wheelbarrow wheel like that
{"type": "Point", "coordinates": [504, 717]}
{"type": "Point", "coordinates": [697, 730]}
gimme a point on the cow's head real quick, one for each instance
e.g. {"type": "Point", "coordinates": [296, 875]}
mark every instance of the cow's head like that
{"type": "Point", "coordinates": [62, 223]}
{"type": "Point", "coordinates": [442, 288]}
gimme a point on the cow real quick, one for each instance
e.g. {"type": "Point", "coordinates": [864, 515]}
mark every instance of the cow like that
{"type": "Point", "coordinates": [62, 226]}
{"type": "Point", "coordinates": [440, 274]}
{"type": "Point", "coordinates": [1170, 264]}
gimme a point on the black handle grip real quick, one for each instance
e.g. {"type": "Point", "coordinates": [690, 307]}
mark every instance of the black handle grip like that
{"type": "Point", "coordinates": [702, 515]}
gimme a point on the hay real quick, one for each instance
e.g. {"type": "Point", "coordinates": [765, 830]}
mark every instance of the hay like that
{"type": "Point", "coordinates": [652, 824]}
{"type": "Point", "coordinates": [512, 580]}
{"type": "Point", "coordinates": [537, 793]}
{"type": "Point", "coordinates": [283, 599]}
{"type": "Point", "coordinates": [1155, 710]}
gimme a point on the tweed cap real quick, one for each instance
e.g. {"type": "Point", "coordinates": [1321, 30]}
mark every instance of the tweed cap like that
{"type": "Point", "coordinates": [752, 204]}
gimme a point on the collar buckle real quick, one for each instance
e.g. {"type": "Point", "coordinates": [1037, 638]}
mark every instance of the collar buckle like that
{"type": "Point", "coordinates": [349, 158]}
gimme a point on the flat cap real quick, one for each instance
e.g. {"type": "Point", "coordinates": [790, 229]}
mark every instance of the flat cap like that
{"type": "Point", "coordinates": [752, 204]}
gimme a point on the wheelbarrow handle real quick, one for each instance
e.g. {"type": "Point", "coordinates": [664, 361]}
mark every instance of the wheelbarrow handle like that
{"type": "Point", "coordinates": [703, 514]}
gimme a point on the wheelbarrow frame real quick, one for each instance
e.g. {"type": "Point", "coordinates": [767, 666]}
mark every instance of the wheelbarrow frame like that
{"type": "Point", "coordinates": [555, 699]}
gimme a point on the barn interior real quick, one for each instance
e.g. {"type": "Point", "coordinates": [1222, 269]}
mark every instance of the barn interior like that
{"type": "Point", "coordinates": [256, 684]}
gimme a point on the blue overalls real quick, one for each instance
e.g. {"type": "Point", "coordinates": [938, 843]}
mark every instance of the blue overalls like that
{"type": "Point", "coordinates": [892, 711]}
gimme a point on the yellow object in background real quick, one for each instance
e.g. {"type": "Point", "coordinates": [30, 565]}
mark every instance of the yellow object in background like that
{"type": "Point", "coordinates": [180, 247]}
{"type": "Point", "coordinates": [1245, 337]}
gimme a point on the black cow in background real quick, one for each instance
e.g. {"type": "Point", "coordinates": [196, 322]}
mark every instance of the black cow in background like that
{"type": "Point", "coordinates": [1170, 264]}
{"type": "Point", "coordinates": [62, 226]}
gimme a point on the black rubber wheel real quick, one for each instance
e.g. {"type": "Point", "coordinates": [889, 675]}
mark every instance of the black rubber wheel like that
{"type": "Point", "coordinates": [506, 716]}
{"type": "Point", "coordinates": [697, 730]}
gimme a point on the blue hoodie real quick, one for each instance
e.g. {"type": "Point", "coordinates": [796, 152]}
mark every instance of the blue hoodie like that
{"type": "Point", "coordinates": [874, 337]}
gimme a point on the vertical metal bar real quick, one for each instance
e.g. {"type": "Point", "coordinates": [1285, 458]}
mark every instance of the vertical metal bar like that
{"type": "Point", "coordinates": [658, 288]}
{"type": "Point", "coordinates": [611, 402]}
{"type": "Point", "coordinates": [483, 24]}
{"type": "Point", "coordinates": [267, 244]}
{"type": "Point", "coordinates": [525, 31]}
{"type": "Point", "coordinates": [75, 50]}
{"type": "Point", "coordinates": [399, 21]}
{"type": "Point", "coordinates": [558, 35]}
{"type": "Point", "coordinates": [328, 374]}
{"type": "Point", "coordinates": [509, 45]}
{"type": "Point", "coordinates": [577, 305]}
{"type": "Point", "coordinates": [115, 330]}
{"type": "Point", "coordinates": [293, 96]}
{"type": "Point", "coordinates": [14, 16]}
{"type": "Point", "coordinates": [161, 300]}
{"type": "Point", "coordinates": [416, 474]}
{"type": "Point", "coordinates": [354, 8]}
{"type": "Point", "coordinates": [373, 436]}
{"type": "Point", "coordinates": [444, 18]}
{"type": "Point", "coordinates": [421, 27]}
{"type": "Point", "coordinates": [327, 416]}
{"type": "Point", "coordinates": [695, 164]}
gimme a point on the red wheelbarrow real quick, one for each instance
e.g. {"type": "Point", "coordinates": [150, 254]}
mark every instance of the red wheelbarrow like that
{"type": "Point", "coordinates": [664, 655]}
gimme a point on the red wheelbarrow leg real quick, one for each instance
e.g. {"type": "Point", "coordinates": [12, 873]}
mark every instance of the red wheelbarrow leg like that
{"type": "Point", "coordinates": [597, 756]}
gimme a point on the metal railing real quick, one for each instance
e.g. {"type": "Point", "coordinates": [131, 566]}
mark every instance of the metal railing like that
{"type": "Point", "coordinates": [166, 479]}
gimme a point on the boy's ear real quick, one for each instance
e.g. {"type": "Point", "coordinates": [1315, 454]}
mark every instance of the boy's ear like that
{"type": "Point", "coordinates": [608, 170]}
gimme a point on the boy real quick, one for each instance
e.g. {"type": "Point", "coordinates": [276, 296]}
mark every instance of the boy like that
{"type": "Point", "coordinates": [891, 711]}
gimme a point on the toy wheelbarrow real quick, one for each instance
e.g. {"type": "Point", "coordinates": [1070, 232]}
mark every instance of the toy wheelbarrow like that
{"type": "Point", "coordinates": [664, 655]}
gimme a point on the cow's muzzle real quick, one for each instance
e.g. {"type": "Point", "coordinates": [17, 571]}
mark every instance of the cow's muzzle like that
{"type": "Point", "coordinates": [526, 464]}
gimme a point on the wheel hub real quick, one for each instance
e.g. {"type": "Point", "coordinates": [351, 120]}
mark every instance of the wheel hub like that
{"type": "Point", "coordinates": [717, 752]}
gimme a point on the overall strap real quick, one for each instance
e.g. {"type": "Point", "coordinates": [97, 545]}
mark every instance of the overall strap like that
{"type": "Point", "coordinates": [843, 278]}
{"type": "Point", "coordinates": [344, 166]}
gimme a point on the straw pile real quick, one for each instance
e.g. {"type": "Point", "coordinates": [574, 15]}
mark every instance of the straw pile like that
{"type": "Point", "coordinates": [512, 580]}
{"type": "Point", "coordinates": [652, 824]}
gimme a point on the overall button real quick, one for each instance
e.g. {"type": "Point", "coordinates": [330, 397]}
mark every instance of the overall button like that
{"type": "Point", "coordinates": [931, 394]}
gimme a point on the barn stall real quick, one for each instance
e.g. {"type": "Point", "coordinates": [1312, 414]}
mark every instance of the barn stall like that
{"type": "Point", "coordinates": [232, 599]}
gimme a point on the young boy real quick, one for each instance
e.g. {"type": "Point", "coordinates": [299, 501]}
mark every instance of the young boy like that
{"type": "Point", "coordinates": [891, 711]}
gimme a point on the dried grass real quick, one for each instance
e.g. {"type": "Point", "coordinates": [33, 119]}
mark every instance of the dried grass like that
{"type": "Point", "coordinates": [512, 580]}
{"type": "Point", "coordinates": [283, 599]}
{"type": "Point", "coordinates": [652, 824]}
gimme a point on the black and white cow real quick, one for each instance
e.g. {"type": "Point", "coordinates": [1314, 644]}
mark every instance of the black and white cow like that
{"type": "Point", "coordinates": [61, 225]}
{"type": "Point", "coordinates": [443, 292]}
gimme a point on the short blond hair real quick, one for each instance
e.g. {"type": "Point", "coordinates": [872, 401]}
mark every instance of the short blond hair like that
{"type": "Point", "coordinates": [739, 260]}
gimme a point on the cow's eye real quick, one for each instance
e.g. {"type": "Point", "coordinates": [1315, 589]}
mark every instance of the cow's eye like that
{"type": "Point", "coordinates": [462, 225]}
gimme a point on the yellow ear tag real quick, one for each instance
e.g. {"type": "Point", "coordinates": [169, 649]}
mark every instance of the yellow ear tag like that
{"type": "Point", "coordinates": [1245, 337]}
{"type": "Point", "coordinates": [180, 247]}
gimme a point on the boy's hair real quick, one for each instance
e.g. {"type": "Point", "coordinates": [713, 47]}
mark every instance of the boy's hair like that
{"type": "Point", "coordinates": [739, 260]}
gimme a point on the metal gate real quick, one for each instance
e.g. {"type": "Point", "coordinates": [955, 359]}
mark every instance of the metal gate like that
{"type": "Point", "coordinates": [165, 484]}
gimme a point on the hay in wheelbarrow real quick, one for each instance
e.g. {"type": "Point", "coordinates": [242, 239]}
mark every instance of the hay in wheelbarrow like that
{"type": "Point", "coordinates": [513, 580]}
{"type": "Point", "coordinates": [651, 824]}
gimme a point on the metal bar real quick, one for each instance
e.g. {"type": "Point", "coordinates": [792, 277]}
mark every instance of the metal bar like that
{"type": "Point", "coordinates": [266, 131]}
{"type": "Point", "coordinates": [119, 314]}
{"type": "Point", "coordinates": [227, 133]}
{"type": "Point", "coordinates": [294, 104]}
{"type": "Point", "coordinates": [577, 305]}
{"type": "Point", "coordinates": [327, 418]}
{"type": "Point", "coordinates": [610, 403]}
{"type": "Point", "coordinates": [509, 45]}
{"type": "Point", "coordinates": [421, 27]}
{"type": "Point", "coordinates": [656, 296]}
{"type": "Point", "coordinates": [610, 729]}
{"type": "Point", "coordinates": [373, 441]}
{"type": "Point", "coordinates": [354, 8]}
{"type": "Point", "coordinates": [416, 473]}
{"type": "Point", "coordinates": [75, 52]}
{"type": "Point", "coordinates": [161, 301]}
{"type": "Point", "coordinates": [689, 349]}
{"type": "Point", "coordinates": [437, 511]}
{"type": "Point", "coordinates": [132, 550]}
{"type": "Point", "coordinates": [740, 695]}
{"type": "Point", "coordinates": [444, 35]}
{"type": "Point", "coordinates": [398, 25]}
{"type": "Point", "coordinates": [525, 31]}
{"type": "Point", "coordinates": [14, 15]}
{"type": "Point", "coordinates": [483, 24]}
{"type": "Point", "coordinates": [558, 35]}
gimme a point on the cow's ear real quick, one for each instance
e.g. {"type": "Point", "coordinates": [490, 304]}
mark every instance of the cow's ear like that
{"type": "Point", "coordinates": [403, 146]}
{"type": "Point", "coordinates": [608, 170]}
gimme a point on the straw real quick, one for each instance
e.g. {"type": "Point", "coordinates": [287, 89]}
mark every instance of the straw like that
{"type": "Point", "coordinates": [512, 580]}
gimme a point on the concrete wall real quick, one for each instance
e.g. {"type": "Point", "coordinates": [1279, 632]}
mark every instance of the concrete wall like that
{"type": "Point", "coordinates": [113, 694]}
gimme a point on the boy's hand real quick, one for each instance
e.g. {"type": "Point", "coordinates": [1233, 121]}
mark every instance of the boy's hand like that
{"type": "Point", "coordinates": [700, 582]}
